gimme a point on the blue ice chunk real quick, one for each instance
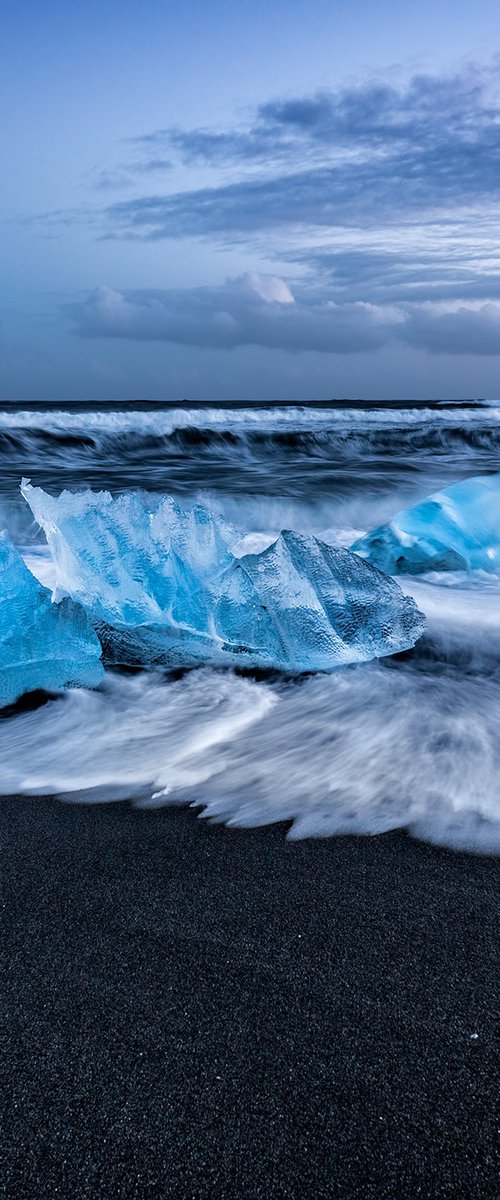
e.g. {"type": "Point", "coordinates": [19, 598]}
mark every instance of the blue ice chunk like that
{"type": "Point", "coordinates": [457, 529]}
{"type": "Point", "coordinates": [166, 581]}
{"type": "Point", "coordinates": [42, 645]}
{"type": "Point", "coordinates": [302, 605]}
{"type": "Point", "coordinates": [132, 562]}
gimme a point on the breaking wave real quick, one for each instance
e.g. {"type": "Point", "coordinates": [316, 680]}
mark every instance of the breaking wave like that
{"type": "Point", "coordinates": [160, 420]}
{"type": "Point", "coordinates": [305, 455]}
{"type": "Point", "coordinates": [386, 749]}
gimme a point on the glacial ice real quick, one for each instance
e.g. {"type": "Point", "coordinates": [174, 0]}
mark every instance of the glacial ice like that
{"type": "Point", "coordinates": [161, 584]}
{"type": "Point", "coordinates": [42, 644]}
{"type": "Point", "coordinates": [312, 607]}
{"type": "Point", "coordinates": [457, 529]}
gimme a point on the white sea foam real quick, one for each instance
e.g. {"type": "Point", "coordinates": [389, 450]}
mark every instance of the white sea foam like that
{"type": "Point", "coordinates": [363, 751]}
{"type": "Point", "coordinates": [163, 422]}
{"type": "Point", "coordinates": [134, 733]}
{"type": "Point", "coordinates": [458, 604]}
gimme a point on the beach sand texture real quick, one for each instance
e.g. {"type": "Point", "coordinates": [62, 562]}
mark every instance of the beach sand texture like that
{"type": "Point", "coordinates": [198, 1012]}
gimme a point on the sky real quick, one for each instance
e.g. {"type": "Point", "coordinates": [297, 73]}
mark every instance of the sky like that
{"type": "Point", "coordinates": [215, 201]}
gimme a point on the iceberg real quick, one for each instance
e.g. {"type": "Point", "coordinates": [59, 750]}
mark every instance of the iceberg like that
{"type": "Point", "coordinates": [132, 563]}
{"type": "Point", "coordinates": [42, 644]}
{"type": "Point", "coordinates": [162, 584]}
{"type": "Point", "coordinates": [310, 607]}
{"type": "Point", "coordinates": [457, 529]}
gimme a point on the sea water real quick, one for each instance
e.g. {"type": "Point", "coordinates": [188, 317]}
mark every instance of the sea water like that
{"type": "Point", "coordinates": [409, 741]}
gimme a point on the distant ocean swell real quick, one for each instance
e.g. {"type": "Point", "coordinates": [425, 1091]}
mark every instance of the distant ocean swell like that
{"type": "Point", "coordinates": [280, 451]}
{"type": "Point", "coordinates": [344, 439]}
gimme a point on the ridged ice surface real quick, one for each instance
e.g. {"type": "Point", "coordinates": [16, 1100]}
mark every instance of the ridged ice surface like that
{"type": "Point", "coordinates": [42, 645]}
{"type": "Point", "coordinates": [166, 580]}
{"type": "Point", "coordinates": [457, 529]}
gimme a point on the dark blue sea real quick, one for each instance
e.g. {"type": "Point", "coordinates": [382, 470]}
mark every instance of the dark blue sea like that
{"type": "Point", "coordinates": [411, 741]}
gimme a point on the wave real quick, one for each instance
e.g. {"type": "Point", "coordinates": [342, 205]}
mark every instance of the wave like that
{"type": "Point", "coordinates": [387, 749]}
{"type": "Point", "coordinates": [274, 418]}
{"type": "Point", "coordinates": [277, 451]}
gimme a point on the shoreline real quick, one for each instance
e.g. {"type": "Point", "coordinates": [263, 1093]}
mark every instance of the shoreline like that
{"type": "Point", "coordinates": [196, 1011]}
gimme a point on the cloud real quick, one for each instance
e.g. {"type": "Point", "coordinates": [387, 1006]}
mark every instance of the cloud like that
{"type": "Point", "coordinates": [262, 311]}
{"type": "Point", "coordinates": [397, 188]}
{"type": "Point", "coordinates": [251, 310]}
{"type": "Point", "coordinates": [450, 268]}
{"type": "Point", "coordinates": [463, 331]}
{"type": "Point", "coordinates": [427, 111]}
{"type": "Point", "coordinates": [385, 199]}
{"type": "Point", "coordinates": [337, 158]}
{"type": "Point", "coordinates": [126, 174]}
{"type": "Point", "coordinates": [382, 195]}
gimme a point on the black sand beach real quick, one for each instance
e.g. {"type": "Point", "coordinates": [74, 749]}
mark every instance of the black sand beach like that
{"type": "Point", "coordinates": [198, 1012]}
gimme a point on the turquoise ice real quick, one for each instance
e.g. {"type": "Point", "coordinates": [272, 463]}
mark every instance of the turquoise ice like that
{"type": "Point", "coordinates": [42, 644]}
{"type": "Point", "coordinates": [457, 529]}
{"type": "Point", "coordinates": [305, 606]}
{"type": "Point", "coordinates": [162, 584]}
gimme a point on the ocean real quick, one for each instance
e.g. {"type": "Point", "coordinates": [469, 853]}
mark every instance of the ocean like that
{"type": "Point", "coordinates": [405, 742]}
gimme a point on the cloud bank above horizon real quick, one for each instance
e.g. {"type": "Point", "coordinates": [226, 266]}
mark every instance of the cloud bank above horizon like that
{"type": "Point", "coordinates": [259, 310]}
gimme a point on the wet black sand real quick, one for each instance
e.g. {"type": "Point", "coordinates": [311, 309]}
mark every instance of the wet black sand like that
{"type": "Point", "coordinates": [195, 1012]}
